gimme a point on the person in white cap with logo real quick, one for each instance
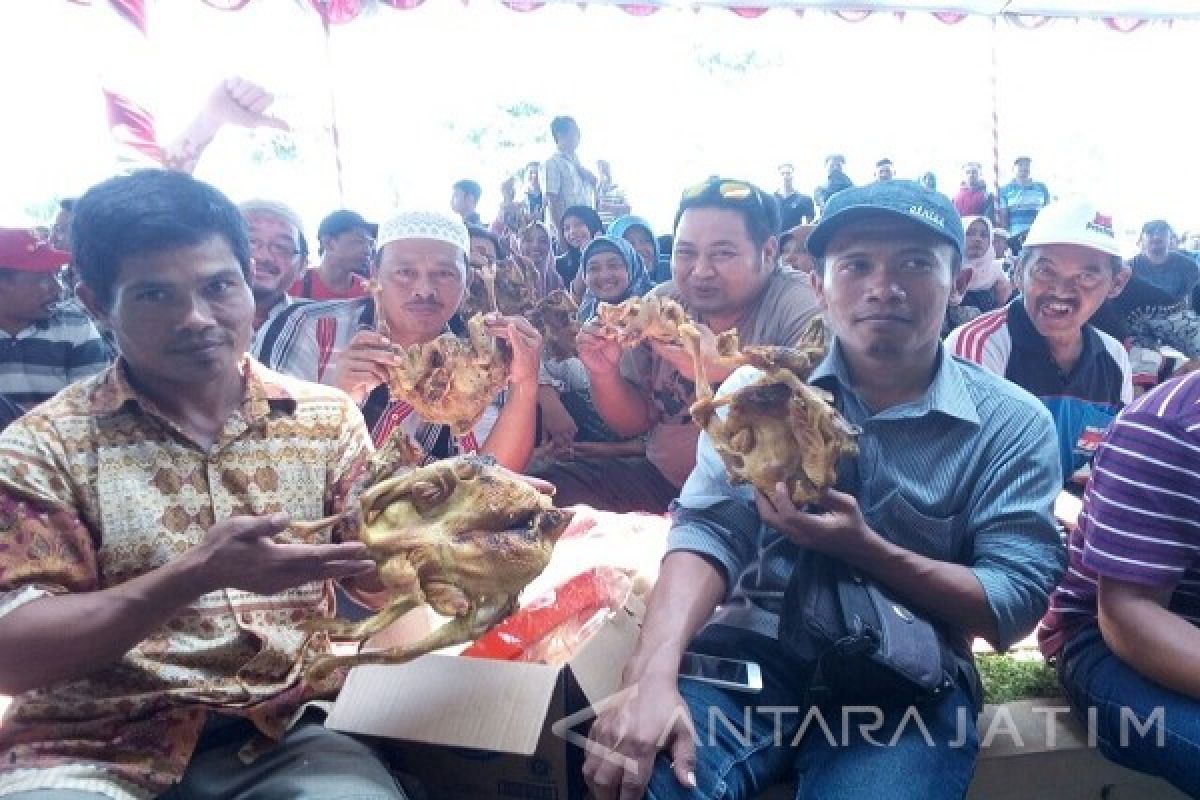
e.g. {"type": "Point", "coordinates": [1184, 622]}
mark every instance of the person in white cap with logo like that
{"type": "Point", "coordinates": [420, 267]}
{"type": "Point", "coordinates": [1042, 341]}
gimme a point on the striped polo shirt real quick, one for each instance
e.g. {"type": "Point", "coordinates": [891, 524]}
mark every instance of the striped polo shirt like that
{"type": "Point", "coordinates": [1022, 201]}
{"type": "Point", "coordinates": [48, 356]}
{"type": "Point", "coordinates": [1083, 401]}
{"type": "Point", "coordinates": [1141, 512]}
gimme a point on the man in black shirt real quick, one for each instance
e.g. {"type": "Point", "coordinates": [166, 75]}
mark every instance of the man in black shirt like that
{"type": "Point", "coordinates": [836, 180]}
{"type": "Point", "coordinates": [794, 208]}
{"type": "Point", "coordinates": [1160, 265]}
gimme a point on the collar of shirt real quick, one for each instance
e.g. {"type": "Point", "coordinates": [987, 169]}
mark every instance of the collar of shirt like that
{"type": "Point", "coordinates": [947, 394]}
{"type": "Point", "coordinates": [39, 328]}
{"type": "Point", "coordinates": [264, 393]}
{"type": "Point", "coordinates": [1026, 337]}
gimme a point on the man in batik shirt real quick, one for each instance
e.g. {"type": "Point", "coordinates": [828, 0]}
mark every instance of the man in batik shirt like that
{"type": "Point", "coordinates": [152, 595]}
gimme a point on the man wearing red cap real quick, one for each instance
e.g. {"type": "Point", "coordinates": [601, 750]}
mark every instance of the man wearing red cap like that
{"type": "Point", "coordinates": [44, 347]}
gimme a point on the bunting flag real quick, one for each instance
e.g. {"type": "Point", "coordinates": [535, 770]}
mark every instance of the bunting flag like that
{"type": "Point", "coordinates": [340, 12]}
{"type": "Point", "coordinates": [123, 25]}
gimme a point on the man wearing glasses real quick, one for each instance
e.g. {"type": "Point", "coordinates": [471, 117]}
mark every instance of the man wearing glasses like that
{"type": "Point", "coordinates": [725, 273]}
{"type": "Point", "coordinates": [1042, 341]}
{"type": "Point", "coordinates": [278, 251]}
{"type": "Point", "coordinates": [43, 346]}
{"type": "Point", "coordinates": [345, 242]}
{"type": "Point", "coordinates": [420, 269]}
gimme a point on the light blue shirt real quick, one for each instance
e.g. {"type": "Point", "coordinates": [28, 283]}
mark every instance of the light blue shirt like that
{"type": "Point", "coordinates": [968, 474]}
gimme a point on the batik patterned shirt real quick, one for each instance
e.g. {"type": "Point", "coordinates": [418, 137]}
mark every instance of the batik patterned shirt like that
{"type": "Point", "coordinates": [97, 487]}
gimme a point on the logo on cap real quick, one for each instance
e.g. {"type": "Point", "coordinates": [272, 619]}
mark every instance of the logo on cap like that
{"type": "Point", "coordinates": [927, 214]}
{"type": "Point", "coordinates": [1102, 224]}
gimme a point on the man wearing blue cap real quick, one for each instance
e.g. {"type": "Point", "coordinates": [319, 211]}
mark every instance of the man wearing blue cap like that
{"type": "Point", "coordinates": [948, 505]}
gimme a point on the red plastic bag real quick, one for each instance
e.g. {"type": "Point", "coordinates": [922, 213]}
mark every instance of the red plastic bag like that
{"type": "Point", "coordinates": [556, 621]}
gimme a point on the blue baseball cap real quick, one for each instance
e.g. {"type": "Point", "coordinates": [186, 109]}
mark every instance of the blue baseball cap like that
{"type": "Point", "coordinates": [904, 199]}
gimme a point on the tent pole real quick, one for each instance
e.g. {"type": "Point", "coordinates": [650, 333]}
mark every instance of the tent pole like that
{"type": "Point", "coordinates": [335, 134]}
{"type": "Point", "coordinates": [995, 103]}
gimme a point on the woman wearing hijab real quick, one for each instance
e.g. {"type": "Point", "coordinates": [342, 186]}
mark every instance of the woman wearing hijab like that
{"type": "Point", "coordinates": [579, 225]}
{"type": "Point", "coordinates": [534, 244]}
{"type": "Point", "coordinates": [989, 287]}
{"type": "Point", "coordinates": [612, 272]}
{"type": "Point", "coordinates": [638, 233]}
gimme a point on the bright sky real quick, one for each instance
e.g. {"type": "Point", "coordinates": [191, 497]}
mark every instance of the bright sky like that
{"type": "Point", "coordinates": [1101, 113]}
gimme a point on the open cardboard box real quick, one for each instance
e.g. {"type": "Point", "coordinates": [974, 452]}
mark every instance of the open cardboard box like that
{"type": "Point", "coordinates": [472, 728]}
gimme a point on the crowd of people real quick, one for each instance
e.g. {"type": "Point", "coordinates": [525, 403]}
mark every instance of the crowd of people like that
{"type": "Point", "coordinates": [181, 376]}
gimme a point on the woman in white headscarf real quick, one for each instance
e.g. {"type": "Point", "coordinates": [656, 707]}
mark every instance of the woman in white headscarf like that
{"type": "Point", "coordinates": [989, 287]}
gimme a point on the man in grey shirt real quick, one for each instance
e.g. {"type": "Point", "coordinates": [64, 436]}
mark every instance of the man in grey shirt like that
{"type": "Point", "coordinates": [958, 472]}
{"type": "Point", "coordinates": [725, 274]}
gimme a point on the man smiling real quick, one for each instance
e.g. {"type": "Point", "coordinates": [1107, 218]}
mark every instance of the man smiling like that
{"type": "Point", "coordinates": [726, 275]}
{"type": "Point", "coordinates": [279, 252]}
{"type": "Point", "coordinates": [1042, 340]}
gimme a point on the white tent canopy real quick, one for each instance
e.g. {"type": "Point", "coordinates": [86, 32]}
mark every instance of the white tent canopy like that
{"type": "Point", "coordinates": [1137, 9]}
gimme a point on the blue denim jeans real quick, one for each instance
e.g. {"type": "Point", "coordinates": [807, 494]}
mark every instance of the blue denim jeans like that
{"type": "Point", "coordinates": [748, 742]}
{"type": "Point", "coordinates": [1125, 702]}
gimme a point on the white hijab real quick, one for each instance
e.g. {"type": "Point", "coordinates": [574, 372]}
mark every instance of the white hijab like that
{"type": "Point", "coordinates": [986, 269]}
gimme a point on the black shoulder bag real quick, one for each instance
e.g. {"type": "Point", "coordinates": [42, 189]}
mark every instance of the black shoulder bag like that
{"type": "Point", "coordinates": [871, 648]}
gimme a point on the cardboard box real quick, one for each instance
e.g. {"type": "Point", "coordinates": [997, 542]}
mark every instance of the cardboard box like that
{"type": "Point", "coordinates": [475, 728]}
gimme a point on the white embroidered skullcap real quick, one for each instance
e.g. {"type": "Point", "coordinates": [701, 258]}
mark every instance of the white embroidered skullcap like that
{"type": "Point", "coordinates": [424, 225]}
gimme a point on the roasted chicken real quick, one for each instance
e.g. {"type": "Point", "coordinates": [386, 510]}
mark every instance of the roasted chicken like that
{"type": "Point", "coordinates": [509, 286]}
{"type": "Point", "coordinates": [461, 535]}
{"type": "Point", "coordinates": [777, 429]}
{"type": "Point", "coordinates": [655, 317]}
{"type": "Point", "coordinates": [555, 319]}
{"type": "Point", "coordinates": [451, 380]}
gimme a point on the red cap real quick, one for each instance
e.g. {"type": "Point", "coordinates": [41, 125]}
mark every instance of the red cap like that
{"type": "Point", "coordinates": [23, 250]}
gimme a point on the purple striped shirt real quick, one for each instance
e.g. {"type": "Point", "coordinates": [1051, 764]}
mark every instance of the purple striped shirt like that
{"type": "Point", "coordinates": [1141, 512]}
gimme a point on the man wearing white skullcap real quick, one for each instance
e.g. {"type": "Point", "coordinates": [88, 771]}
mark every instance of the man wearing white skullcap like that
{"type": "Point", "coordinates": [420, 272]}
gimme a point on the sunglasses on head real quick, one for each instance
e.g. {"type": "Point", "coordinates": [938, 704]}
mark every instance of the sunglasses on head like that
{"type": "Point", "coordinates": [728, 189]}
{"type": "Point", "coordinates": [738, 193]}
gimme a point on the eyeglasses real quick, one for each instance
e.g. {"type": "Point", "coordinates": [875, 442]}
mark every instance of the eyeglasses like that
{"type": "Point", "coordinates": [1085, 281]}
{"type": "Point", "coordinates": [276, 249]}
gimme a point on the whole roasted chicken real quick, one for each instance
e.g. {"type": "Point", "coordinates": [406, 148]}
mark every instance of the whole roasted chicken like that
{"type": "Point", "coordinates": [777, 429]}
{"type": "Point", "coordinates": [452, 380]}
{"type": "Point", "coordinates": [555, 319]}
{"type": "Point", "coordinates": [655, 317]}
{"type": "Point", "coordinates": [461, 535]}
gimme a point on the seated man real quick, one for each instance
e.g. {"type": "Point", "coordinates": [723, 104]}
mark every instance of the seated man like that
{"type": "Point", "coordinates": [727, 276]}
{"type": "Point", "coordinates": [280, 253]}
{"type": "Point", "coordinates": [44, 346]}
{"type": "Point", "coordinates": [420, 268]}
{"type": "Point", "coordinates": [1122, 624]}
{"type": "Point", "coordinates": [344, 242]}
{"type": "Point", "coordinates": [1042, 341]}
{"type": "Point", "coordinates": [150, 592]}
{"type": "Point", "coordinates": [952, 513]}
{"type": "Point", "coordinates": [1161, 265]}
